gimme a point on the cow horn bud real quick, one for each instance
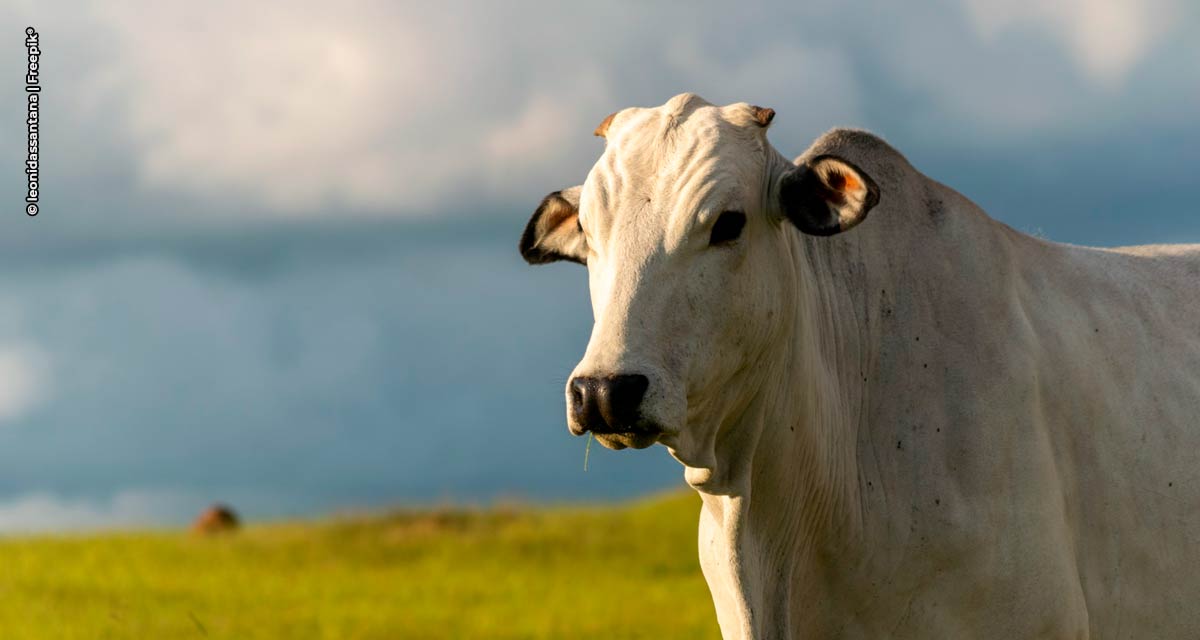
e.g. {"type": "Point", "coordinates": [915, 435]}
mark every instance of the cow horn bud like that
{"type": "Point", "coordinates": [762, 115]}
{"type": "Point", "coordinates": [602, 130]}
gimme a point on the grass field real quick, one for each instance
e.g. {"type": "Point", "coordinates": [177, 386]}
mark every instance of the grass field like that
{"type": "Point", "coordinates": [602, 572]}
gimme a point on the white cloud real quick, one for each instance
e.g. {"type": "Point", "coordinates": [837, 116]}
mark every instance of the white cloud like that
{"type": "Point", "coordinates": [23, 380]}
{"type": "Point", "coordinates": [552, 125]}
{"type": "Point", "coordinates": [293, 109]}
{"type": "Point", "coordinates": [1106, 38]}
{"type": "Point", "coordinates": [42, 512]}
{"type": "Point", "coordinates": [543, 124]}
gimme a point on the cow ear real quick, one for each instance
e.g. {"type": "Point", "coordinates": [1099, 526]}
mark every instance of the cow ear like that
{"type": "Point", "coordinates": [827, 195]}
{"type": "Point", "coordinates": [553, 233]}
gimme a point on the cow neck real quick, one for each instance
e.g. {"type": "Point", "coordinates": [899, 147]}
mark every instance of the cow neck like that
{"type": "Point", "coordinates": [797, 434]}
{"type": "Point", "coordinates": [796, 503]}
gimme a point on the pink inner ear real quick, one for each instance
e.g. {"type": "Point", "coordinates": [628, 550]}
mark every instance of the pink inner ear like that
{"type": "Point", "coordinates": [843, 182]}
{"type": "Point", "coordinates": [558, 217]}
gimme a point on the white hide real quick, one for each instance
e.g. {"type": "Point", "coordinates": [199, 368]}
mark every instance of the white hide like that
{"type": "Point", "coordinates": [928, 426]}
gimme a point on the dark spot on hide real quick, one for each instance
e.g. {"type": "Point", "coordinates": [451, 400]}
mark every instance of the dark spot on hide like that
{"type": "Point", "coordinates": [935, 208]}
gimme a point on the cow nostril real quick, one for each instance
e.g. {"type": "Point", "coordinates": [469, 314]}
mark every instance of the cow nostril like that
{"type": "Point", "coordinates": [578, 390]}
{"type": "Point", "coordinates": [620, 399]}
{"type": "Point", "coordinates": [585, 413]}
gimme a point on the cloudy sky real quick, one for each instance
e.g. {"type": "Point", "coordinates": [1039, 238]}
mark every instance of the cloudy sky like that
{"type": "Point", "coordinates": [275, 263]}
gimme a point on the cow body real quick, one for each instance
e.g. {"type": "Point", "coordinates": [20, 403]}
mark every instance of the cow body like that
{"type": "Point", "coordinates": [1020, 438]}
{"type": "Point", "coordinates": [929, 426]}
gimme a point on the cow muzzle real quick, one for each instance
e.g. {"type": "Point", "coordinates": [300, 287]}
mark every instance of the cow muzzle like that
{"type": "Point", "coordinates": [611, 408]}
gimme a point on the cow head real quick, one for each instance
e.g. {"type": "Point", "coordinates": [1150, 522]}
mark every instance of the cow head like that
{"type": "Point", "coordinates": [684, 227]}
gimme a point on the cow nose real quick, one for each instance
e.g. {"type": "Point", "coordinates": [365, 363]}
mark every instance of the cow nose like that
{"type": "Point", "coordinates": [607, 405]}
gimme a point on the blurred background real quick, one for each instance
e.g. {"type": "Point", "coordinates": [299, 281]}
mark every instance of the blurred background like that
{"type": "Point", "coordinates": [276, 260]}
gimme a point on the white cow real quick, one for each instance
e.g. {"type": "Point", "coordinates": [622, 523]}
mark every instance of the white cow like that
{"type": "Point", "coordinates": [933, 426]}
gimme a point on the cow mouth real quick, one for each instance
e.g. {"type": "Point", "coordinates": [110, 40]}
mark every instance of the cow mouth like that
{"type": "Point", "coordinates": [628, 439]}
{"type": "Point", "coordinates": [637, 436]}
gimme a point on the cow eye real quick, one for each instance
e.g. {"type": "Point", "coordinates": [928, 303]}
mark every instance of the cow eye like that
{"type": "Point", "coordinates": [728, 228]}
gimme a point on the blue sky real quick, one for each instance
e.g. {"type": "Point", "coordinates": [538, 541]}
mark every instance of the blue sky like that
{"type": "Point", "coordinates": [276, 261]}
